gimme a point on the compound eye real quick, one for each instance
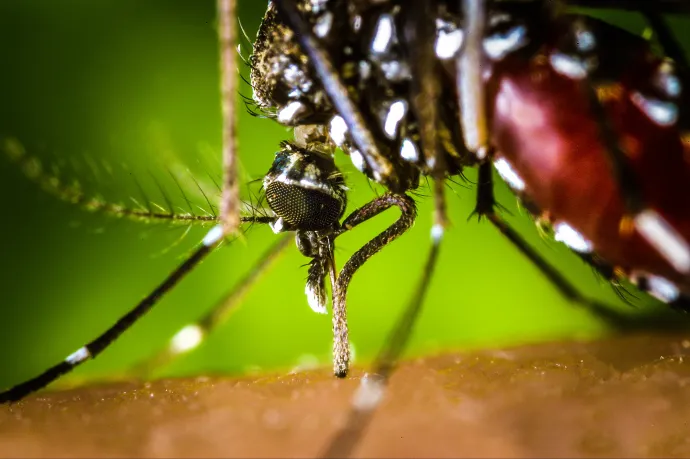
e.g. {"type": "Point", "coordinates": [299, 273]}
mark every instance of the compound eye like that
{"type": "Point", "coordinates": [305, 189]}
{"type": "Point", "coordinates": [303, 208]}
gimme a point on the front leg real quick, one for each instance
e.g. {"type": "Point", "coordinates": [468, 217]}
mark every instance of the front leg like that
{"type": "Point", "coordinates": [341, 345]}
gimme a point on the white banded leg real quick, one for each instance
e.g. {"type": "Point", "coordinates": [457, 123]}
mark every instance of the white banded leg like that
{"type": "Point", "coordinates": [372, 387]}
{"type": "Point", "coordinates": [341, 345]}
{"type": "Point", "coordinates": [98, 345]}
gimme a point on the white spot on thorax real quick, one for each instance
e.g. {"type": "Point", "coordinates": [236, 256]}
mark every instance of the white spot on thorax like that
{"type": "Point", "coordinates": [661, 112]}
{"type": "Point", "coordinates": [364, 70]}
{"type": "Point", "coordinates": [78, 356]}
{"type": "Point", "coordinates": [214, 235]}
{"type": "Point", "coordinates": [337, 129]}
{"type": "Point", "coordinates": [507, 173]}
{"type": "Point", "coordinates": [186, 339]}
{"type": "Point", "coordinates": [568, 235]}
{"type": "Point", "coordinates": [665, 239]}
{"type": "Point", "coordinates": [296, 79]}
{"type": "Point", "coordinates": [396, 113]}
{"type": "Point", "coordinates": [497, 46]}
{"type": "Point", "coordinates": [448, 39]}
{"type": "Point", "coordinates": [288, 113]}
{"type": "Point", "coordinates": [323, 24]}
{"type": "Point", "coordinates": [408, 151]}
{"type": "Point", "coordinates": [383, 35]}
{"type": "Point", "coordinates": [357, 23]}
{"type": "Point", "coordinates": [357, 160]}
{"type": "Point", "coordinates": [569, 66]}
{"type": "Point", "coordinates": [318, 5]}
{"type": "Point", "coordinates": [395, 70]}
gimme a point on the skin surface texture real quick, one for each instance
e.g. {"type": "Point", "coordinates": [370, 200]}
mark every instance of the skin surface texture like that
{"type": "Point", "coordinates": [624, 397]}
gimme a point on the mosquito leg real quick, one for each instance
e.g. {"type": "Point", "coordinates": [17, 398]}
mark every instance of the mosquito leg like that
{"type": "Point", "coordinates": [73, 194]}
{"type": "Point", "coordinates": [227, 38]}
{"type": "Point", "coordinates": [665, 293]}
{"type": "Point", "coordinates": [472, 101]}
{"type": "Point", "coordinates": [341, 345]}
{"type": "Point", "coordinates": [95, 347]}
{"type": "Point", "coordinates": [426, 91]}
{"type": "Point", "coordinates": [191, 336]}
{"type": "Point", "coordinates": [371, 390]}
{"type": "Point", "coordinates": [486, 208]}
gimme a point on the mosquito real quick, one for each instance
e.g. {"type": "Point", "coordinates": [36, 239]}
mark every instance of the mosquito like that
{"type": "Point", "coordinates": [427, 98]}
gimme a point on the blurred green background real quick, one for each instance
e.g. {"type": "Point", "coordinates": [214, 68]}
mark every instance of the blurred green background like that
{"type": "Point", "coordinates": [134, 84]}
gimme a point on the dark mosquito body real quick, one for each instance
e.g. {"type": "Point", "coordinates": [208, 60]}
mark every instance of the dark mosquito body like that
{"type": "Point", "coordinates": [546, 77]}
{"type": "Point", "coordinates": [587, 123]}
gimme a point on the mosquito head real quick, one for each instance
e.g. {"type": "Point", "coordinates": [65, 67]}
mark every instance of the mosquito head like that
{"type": "Point", "coordinates": [305, 190]}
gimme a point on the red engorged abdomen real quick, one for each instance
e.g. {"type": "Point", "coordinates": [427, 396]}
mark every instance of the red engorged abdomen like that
{"type": "Point", "coordinates": [543, 126]}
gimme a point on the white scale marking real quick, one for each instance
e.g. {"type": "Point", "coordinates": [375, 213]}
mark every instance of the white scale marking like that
{"type": "Point", "coordinates": [78, 356]}
{"type": "Point", "coordinates": [395, 70]}
{"type": "Point", "coordinates": [288, 113]}
{"type": "Point", "coordinates": [396, 113]}
{"type": "Point", "coordinates": [383, 36]}
{"type": "Point", "coordinates": [357, 160]}
{"type": "Point", "coordinates": [323, 24]}
{"type": "Point", "coordinates": [357, 23]}
{"type": "Point", "coordinates": [313, 184]}
{"type": "Point", "coordinates": [431, 162]}
{"type": "Point", "coordinates": [314, 301]}
{"type": "Point", "coordinates": [214, 235]}
{"type": "Point", "coordinates": [662, 113]}
{"type": "Point", "coordinates": [278, 225]}
{"type": "Point", "coordinates": [304, 182]}
{"type": "Point", "coordinates": [187, 339]}
{"type": "Point", "coordinates": [585, 40]}
{"type": "Point", "coordinates": [498, 46]}
{"type": "Point", "coordinates": [667, 81]}
{"type": "Point", "coordinates": [448, 42]}
{"type": "Point", "coordinates": [662, 289]}
{"type": "Point", "coordinates": [569, 66]}
{"type": "Point", "coordinates": [364, 70]}
{"type": "Point", "coordinates": [337, 129]}
{"type": "Point", "coordinates": [666, 240]}
{"type": "Point", "coordinates": [568, 235]}
{"type": "Point", "coordinates": [408, 151]}
{"type": "Point", "coordinates": [437, 232]}
{"type": "Point", "coordinates": [507, 173]}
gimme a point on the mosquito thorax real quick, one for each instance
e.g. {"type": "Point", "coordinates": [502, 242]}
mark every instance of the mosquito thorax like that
{"type": "Point", "coordinates": [282, 78]}
{"type": "Point", "coordinates": [305, 190]}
